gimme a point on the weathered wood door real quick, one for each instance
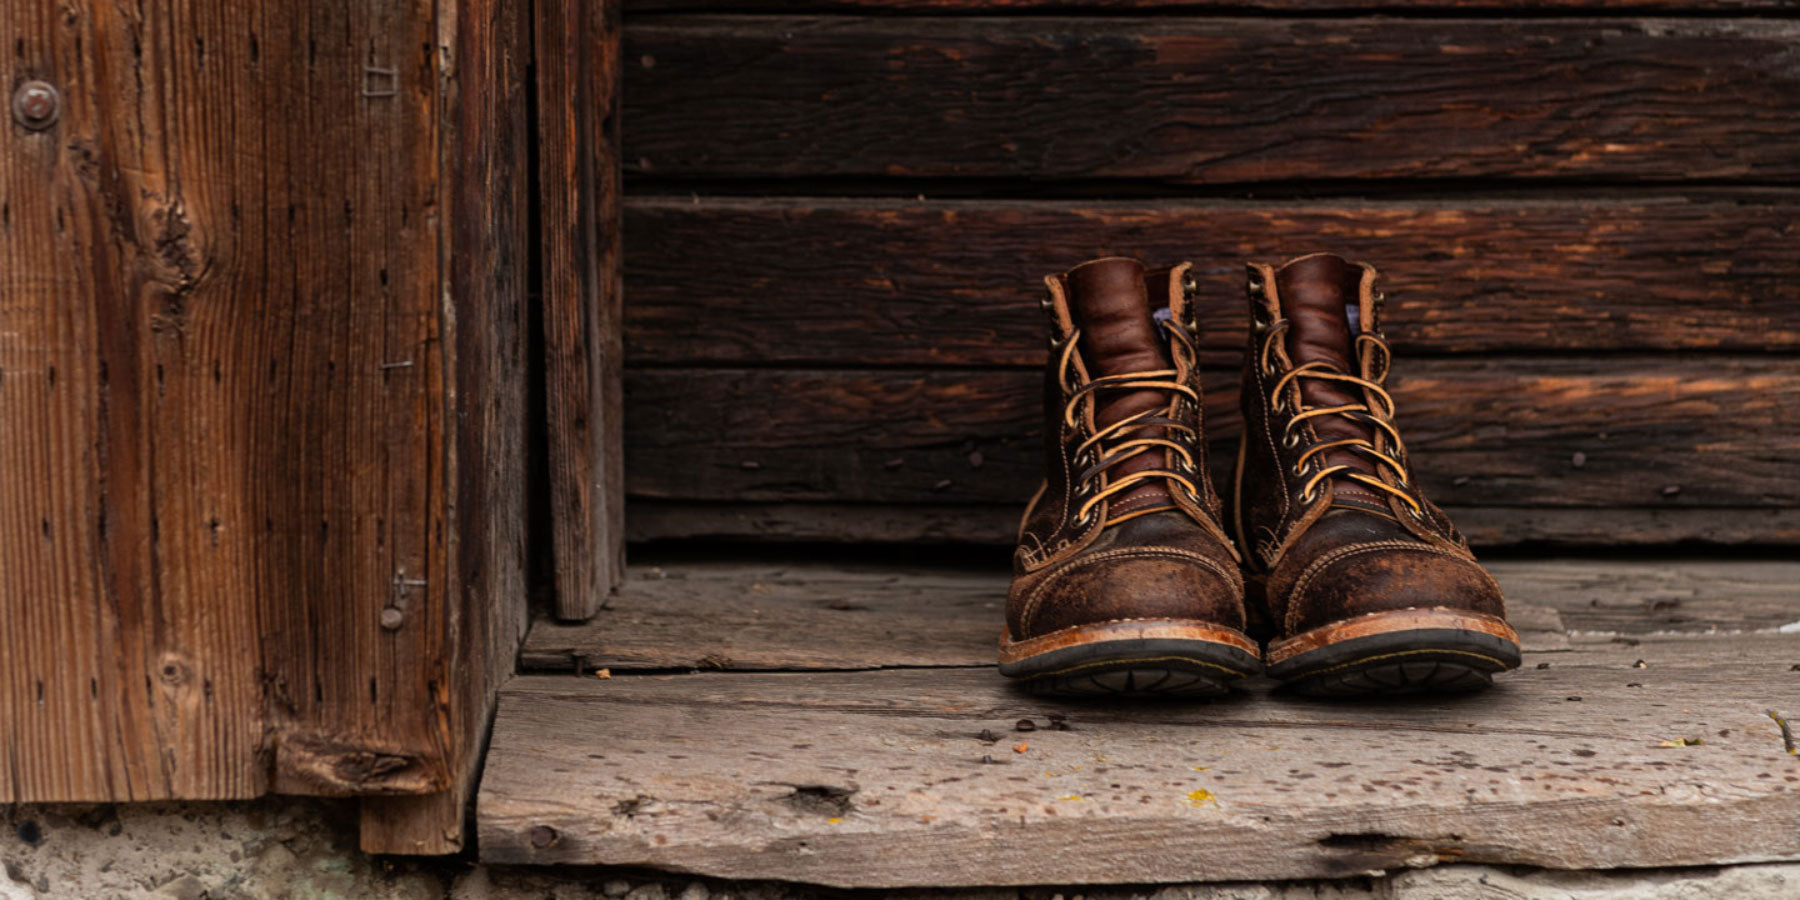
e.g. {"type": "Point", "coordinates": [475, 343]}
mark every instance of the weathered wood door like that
{"type": "Point", "coordinates": [262, 397]}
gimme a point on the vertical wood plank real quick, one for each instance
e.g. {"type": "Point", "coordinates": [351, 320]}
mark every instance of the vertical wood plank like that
{"type": "Point", "coordinates": [578, 74]}
{"type": "Point", "coordinates": [485, 154]}
{"type": "Point", "coordinates": [130, 618]}
{"type": "Point", "coordinates": [261, 289]}
{"type": "Point", "coordinates": [349, 447]}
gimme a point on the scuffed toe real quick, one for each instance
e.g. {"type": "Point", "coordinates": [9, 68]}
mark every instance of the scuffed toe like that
{"type": "Point", "coordinates": [1356, 581]}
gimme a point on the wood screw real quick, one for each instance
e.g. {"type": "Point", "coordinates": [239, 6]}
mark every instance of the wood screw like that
{"type": "Point", "coordinates": [36, 104]}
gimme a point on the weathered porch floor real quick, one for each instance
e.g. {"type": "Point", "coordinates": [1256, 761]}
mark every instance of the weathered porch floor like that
{"type": "Point", "coordinates": [845, 727]}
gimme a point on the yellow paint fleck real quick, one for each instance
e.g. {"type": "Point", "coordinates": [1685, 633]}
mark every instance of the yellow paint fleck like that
{"type": "Point", "coordinates": [834, 821]}
{"type": "Point", "coordinates": [1201, 797]}
{"type": "Point", "coordinates": [1076, 797]}
{"type": "Point", "coordinates": [1203, 768]}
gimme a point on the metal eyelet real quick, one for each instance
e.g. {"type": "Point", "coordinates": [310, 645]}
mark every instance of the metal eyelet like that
{"type": "Point", "coordinates": [1189, 286]}
{"type": "Point", "coordinates": [1309, 495]}
{"type": "Point", "coordinates": [1291, 440]}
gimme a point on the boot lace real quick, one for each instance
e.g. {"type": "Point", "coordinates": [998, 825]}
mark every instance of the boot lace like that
{"type": "Point", "coordinates": [1112, 444]}
{"type": "Point", "coordinates": [1379, 414]}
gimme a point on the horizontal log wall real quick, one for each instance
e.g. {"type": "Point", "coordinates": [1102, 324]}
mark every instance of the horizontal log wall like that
{"type": "Point", "coordinates": [920, 283]}
{"type": "Point", "coordinates": [1553, 432]}
{"type": "Point", "coordinates": [1213, 100]}
{"type": "Point", "coordinates": [1584, 226]}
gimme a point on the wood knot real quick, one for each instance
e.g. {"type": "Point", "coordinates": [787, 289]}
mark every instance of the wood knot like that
{"type": "Point", "coordinates": [173, 672]}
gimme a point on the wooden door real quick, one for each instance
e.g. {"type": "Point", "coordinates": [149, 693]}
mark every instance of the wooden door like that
{"type": "Point", "coordinates": [262, 400]}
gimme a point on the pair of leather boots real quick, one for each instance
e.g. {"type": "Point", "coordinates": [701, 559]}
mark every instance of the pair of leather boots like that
{"type": "Point", "coordinates": [1334, 569]}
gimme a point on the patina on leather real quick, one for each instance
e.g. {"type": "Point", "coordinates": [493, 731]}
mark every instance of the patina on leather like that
{"type": "Point", "coordinates": [1149, 544]}
{"type": "Point", "coordinates": [1331, 521]}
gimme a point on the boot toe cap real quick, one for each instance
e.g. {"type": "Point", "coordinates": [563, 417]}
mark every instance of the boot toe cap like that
{"type": "Point", "coordinates": [1132, 585]}
{"type": "Point", "coordinates": [1384, 579]}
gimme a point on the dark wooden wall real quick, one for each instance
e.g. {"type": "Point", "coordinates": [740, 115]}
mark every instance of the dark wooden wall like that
{"type": "Point", "coordinates": [838, 212]}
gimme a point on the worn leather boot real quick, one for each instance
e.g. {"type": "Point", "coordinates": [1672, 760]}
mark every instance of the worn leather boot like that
{"type": "Point", "coordinates": [1124, 580]}
{"type": "Point", "coordinates": [1367, 586]}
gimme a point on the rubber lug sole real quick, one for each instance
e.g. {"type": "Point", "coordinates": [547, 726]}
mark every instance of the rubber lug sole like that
{"type": "Point", "coordinates": [1168, 658]}
{"type": "Point", "coordinates": [1397, 652]}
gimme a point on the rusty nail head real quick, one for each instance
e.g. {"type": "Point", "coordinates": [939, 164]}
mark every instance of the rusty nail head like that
{"type": "Point", "coordinates": [392, 618]}
{"type": "Point", "coordinates": [543, 836]}
{"type": "Point", "coordinates": [36, 105]}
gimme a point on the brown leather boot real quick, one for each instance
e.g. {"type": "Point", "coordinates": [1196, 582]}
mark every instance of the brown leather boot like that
{"type": "Point", "coordinates": [1368, 586]}
{"type": "Point", "coordinates": [1124, 581]}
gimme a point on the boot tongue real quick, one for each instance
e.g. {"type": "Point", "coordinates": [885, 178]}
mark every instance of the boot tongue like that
{"type": "Point", "coordinates": [1111, 306]}
{"type": "Point", "coordinates": [1110, 303]}
{"type": "Point", "coordinates": [1320, 297]}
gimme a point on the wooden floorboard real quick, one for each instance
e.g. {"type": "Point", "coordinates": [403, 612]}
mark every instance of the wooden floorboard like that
{"type": "Point", "coordinates": [724, 615]}
{"type": "Point", "coordinates": [922, 776]}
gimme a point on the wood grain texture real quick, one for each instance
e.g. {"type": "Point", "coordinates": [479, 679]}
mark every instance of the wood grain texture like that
{"type": "Point", "coordinates": [216, 471]}
{"type": "Point", "coordinates": [1231, 6]}
{"type": "Point", "coordinates": [235, 372]}
{"type": "Point", "coordinates": [1211, 100]}
{"type": "Point", "coordinates": [824, 774]}
{"type": "Point", "coordinates": [835, 615]}
{"type": "Point", "coordinates": [1502, 432]}
{"type": "Point", "coordinates": [896, 282]}
{"type": "Point", "coordinates": [478, 620]}
{"type": "Point", "coordinates": [578, 74]}
{"type": "Point", "coordinates": [998, 524]}
{"type": "Point", "coordinates": [1689, 595]}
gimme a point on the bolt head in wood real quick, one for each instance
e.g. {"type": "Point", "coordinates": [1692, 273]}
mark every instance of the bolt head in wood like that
{"type": "Point", "coordinates": [36, 105]}
{"type": "Point", "coordinates": [392, 618]}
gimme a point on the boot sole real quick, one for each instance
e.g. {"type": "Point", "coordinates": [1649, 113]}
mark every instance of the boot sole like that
{"type": "Point", "coordinates": [1407, 651]}
{"type": "Point", "coordinates": [1147, 657]}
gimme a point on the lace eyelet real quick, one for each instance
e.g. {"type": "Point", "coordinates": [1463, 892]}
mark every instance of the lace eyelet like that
{"type": "Point", "coordinates": [1311, 494]}
{"type": "Point", "coordinates": [1291, 440]}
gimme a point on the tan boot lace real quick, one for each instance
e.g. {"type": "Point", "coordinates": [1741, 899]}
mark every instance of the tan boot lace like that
{"type": "Point", "coordinates": [1380, 414]}
{"type": "Point", "coordinates": [1104, 449]}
